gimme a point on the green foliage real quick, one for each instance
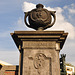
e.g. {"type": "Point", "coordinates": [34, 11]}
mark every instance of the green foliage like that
{"type": "Point", "coordinates": [68, 64]}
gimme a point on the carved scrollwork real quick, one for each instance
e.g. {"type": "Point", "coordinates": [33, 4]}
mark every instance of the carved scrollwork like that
{"type": "Point", "coordinates": [39, 61]}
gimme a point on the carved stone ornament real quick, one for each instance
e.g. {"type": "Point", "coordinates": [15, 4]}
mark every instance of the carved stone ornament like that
{"type": "Point", "coordinates": [40, 18]}
{"type": "Point", "coordinates": [39, 61]}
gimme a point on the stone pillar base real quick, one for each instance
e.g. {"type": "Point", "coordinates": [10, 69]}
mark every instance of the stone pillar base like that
{"type": "Point", "coordinates": [39, 51]}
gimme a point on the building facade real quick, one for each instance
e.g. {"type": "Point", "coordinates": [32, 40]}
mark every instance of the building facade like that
{"type": "Point", "coordinates": [70, 70]}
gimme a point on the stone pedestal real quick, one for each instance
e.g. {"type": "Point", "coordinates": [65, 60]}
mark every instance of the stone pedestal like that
{"type": "Point", "coordinates": [39, 51]}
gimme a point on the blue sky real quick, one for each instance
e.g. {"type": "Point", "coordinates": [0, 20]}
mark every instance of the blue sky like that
{"type": "Point", "coordinates": [12, 19]}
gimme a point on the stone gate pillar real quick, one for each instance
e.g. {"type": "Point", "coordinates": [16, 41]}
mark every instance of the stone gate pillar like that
{"type": "Point", "coordinates": [39, 51]}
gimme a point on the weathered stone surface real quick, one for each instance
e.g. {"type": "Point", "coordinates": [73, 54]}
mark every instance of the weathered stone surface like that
{"type": "Point", "coordinates": [39, 51]}
{"type": "Point", "coordinates": [41, 62]}
{"type": "Point", "coordinates": [39, 44]}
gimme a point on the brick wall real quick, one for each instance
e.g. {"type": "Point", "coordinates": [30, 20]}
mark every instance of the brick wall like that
{"type": "Point", "coordinates": [9, 70]}
{"type": "Point", "coordinates": [11, 73]}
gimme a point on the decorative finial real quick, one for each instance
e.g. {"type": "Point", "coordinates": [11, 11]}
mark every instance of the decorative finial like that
{"type": "Point", "coordinates": [39, 5]}
{"type": "Point", "coordinates": [40, 18]}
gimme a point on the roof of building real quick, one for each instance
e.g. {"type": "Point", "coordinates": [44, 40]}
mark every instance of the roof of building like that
{"type": "Point", "coordinates": [4, 63]}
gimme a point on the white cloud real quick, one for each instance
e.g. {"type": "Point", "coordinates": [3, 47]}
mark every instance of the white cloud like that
{"type": "Point", "coordinates": [19, 22]}
{"type": "Point", "coordinates": [11, 57]}
{"type": "Point", "coordinates": [65, 7]}
{"type": "Point", "coordinates": [70, 8]}
{"type": "Point", "coordinates": [4, 34]}
{"type": "Point", "coordinates": [61, 23]}
{"type": "Point", "coordinates": [69, 50]}
{"type": "Point", "coordinates": [72, 11]}
{"type": "Point", "coordinates": [21, 25]}
{"type": "Point", "coordinates": [28, 6]}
